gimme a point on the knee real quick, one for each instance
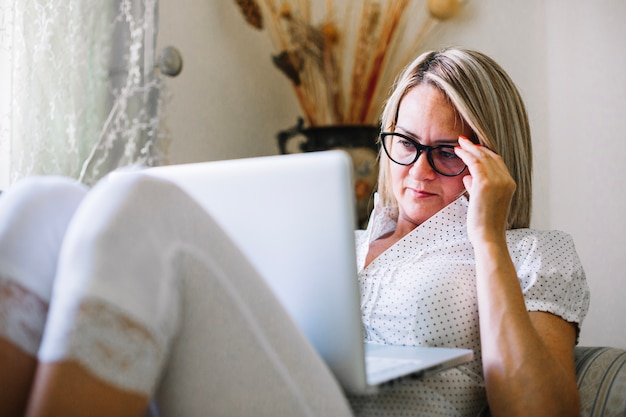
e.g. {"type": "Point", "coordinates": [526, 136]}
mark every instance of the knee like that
{"type": "Point", "coordinates": [127, 208]}
{"type": "Point", "coordinates": [120, 239]}
{"type": "Point", "coordinates": [35, 207]}
{"type": "Point", "coordinates": [34, 215]}
{"type": "Point", "coordinates": [44, 192]}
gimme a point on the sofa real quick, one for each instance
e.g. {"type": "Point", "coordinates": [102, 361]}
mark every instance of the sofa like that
{"type": "Point", "coordinates": [601, 374]}
{"type": "Point", "coordinates": [601, 378]}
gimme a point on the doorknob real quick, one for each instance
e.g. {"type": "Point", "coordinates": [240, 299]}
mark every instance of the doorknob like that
{"type": "Point", "coordinates": [170, 61]}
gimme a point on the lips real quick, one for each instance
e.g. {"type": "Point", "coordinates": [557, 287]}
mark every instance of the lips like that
{"type": "Point", "coordinates": [418, 193]}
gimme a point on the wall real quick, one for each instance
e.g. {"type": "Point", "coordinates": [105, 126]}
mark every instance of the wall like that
{"type": "Point", "coordinates": [586, 98]}
{"type": "Point", "coordinates": [230, 101]}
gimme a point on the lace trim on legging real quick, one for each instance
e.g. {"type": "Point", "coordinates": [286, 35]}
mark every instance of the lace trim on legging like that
{"type": "Point", "coordinates": [116, 348]}
{"type": "Point", "coordinates": [22, 315]}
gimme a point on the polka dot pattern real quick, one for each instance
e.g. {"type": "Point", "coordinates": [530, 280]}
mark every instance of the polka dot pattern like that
{"type": "Point", "coordinates": [422, 292]}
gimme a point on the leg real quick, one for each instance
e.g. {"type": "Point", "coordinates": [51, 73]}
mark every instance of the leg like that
{"type": "Point", "coordinates": [34, 215]}
{"type": "Point", "coordinates": [237, 352]}
{"type": "Point", "coordinates": [67, 389]}
{"type": "Point", "coordinates": [17, 369]}
{"type": "Point", "coordinates": [178, 310]}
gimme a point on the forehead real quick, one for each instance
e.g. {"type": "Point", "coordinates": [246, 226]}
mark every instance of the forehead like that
{"type": "Point", "coordinates": [426, 112]}
{"type": "Point", "coordinates": [425, 99]}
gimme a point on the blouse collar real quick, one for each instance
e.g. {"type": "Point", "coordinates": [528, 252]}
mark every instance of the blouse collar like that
{"type": "Point", "coordinates": [452, 218]}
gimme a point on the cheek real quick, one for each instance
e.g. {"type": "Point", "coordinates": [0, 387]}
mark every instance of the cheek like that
{"type": "Point", "coordinates": [453, 186]}
{"type": "Point", "coordinates": [397, 173]}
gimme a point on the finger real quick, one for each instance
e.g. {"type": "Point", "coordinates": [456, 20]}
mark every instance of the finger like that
{"type": "Point", "coordinates": [470, 155]}
{"type": "Point", "coordinates": [467, 144]}
{"type": "Point", "coordinates": [473, 149]}
{"type": "Point", "coordinates": [467, 182]}
{"type": "Point", "coordinates": [466, 149]}
{"type": "Point", "coordinates": [475, 156]}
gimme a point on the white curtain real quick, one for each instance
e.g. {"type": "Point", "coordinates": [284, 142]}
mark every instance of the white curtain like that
{"type": "Point", "coordinates": [79, 92]}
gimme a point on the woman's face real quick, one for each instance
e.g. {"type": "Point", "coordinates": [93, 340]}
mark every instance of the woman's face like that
{"type": "Point", "coordinates": [427, 117]}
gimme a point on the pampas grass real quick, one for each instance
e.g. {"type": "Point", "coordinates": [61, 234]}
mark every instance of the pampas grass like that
{"type": "Point", "coordinates": [341, 63]}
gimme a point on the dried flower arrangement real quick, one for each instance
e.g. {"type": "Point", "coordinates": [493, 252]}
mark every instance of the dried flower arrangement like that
{"type": "Point", "coordinates": [341, 71]}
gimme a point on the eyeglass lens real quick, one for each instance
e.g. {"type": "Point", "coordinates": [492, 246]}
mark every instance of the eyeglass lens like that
{"type": "Point", "coordinates": [405, 151]}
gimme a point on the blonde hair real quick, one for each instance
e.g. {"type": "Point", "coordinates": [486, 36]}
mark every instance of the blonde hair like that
{"type": "Point", "coordinates": [487, 101]}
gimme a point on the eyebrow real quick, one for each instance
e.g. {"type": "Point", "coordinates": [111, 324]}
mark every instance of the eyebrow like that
{"type": "Point", "coordinates": [440, 141]}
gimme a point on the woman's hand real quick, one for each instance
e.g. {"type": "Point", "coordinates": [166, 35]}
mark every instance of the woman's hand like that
{"type": "Point", "coordinates": [491, 189]}
{"type": "Point", "coordinates": [523, 353]}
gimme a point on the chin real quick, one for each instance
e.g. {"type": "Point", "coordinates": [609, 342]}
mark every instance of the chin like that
{"type": "Point", "coordinates": [419, 212]}
{"type": "Point", "coordinates": [418, 217]}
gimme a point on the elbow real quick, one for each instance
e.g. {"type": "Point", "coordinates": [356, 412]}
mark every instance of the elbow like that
{"type": "Point", "coordinates": [509, 397]}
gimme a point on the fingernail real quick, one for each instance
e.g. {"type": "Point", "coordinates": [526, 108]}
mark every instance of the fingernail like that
{"type": "Point", "coordinates": [465, 138]}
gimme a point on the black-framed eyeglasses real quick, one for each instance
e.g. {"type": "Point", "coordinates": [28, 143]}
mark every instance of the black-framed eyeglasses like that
{"type": "Point", "coordinates": [403, 150]}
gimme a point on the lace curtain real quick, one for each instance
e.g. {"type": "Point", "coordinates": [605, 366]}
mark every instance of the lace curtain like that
{"type": "Point", "coordinates": [79, 91]}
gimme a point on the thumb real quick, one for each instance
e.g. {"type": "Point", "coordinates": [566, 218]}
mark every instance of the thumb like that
{"type": "Point", "coordinates": [467, 182]}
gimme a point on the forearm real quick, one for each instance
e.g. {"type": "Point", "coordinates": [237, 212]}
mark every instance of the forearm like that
{"type": "Point", "coordinates": [522, 375]}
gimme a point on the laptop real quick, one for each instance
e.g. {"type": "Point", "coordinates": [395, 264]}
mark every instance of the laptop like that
{"type": "Point", "coordinates": [294, 217]}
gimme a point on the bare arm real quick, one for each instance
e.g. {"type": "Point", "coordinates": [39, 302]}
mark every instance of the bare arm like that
{"type": "Point", "coordinates": [528, 358]}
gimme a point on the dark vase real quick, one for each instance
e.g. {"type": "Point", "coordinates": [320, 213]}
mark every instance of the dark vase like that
{"type": "Point", "coordinates": [359, 141]}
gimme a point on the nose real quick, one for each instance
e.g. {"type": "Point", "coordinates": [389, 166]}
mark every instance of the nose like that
{"type": "Point", "coordinates": [421, 168]}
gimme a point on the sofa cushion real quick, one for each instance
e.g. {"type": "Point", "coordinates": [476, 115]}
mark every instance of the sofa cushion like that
{"type": "Point", "coordinates": [601, 374]}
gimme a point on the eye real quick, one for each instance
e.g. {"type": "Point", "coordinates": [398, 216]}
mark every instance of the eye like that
{"type": "Point", "coordinates": [446, 153]}
{"type": "Point", "coordinates": [405, 143]}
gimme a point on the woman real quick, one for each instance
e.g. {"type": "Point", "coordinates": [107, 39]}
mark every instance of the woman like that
{"type": "Point", "coordinates": [444, 262]}
{"type": "Point", "coordinates": [519, 294]}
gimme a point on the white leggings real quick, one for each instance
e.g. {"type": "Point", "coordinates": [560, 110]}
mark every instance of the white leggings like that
{"type": "Point", "coordinates": [147, 292]}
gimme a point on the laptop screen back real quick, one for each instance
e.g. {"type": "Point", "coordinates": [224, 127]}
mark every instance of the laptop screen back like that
{"type": "Point", "coordinates": [293, 216]}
